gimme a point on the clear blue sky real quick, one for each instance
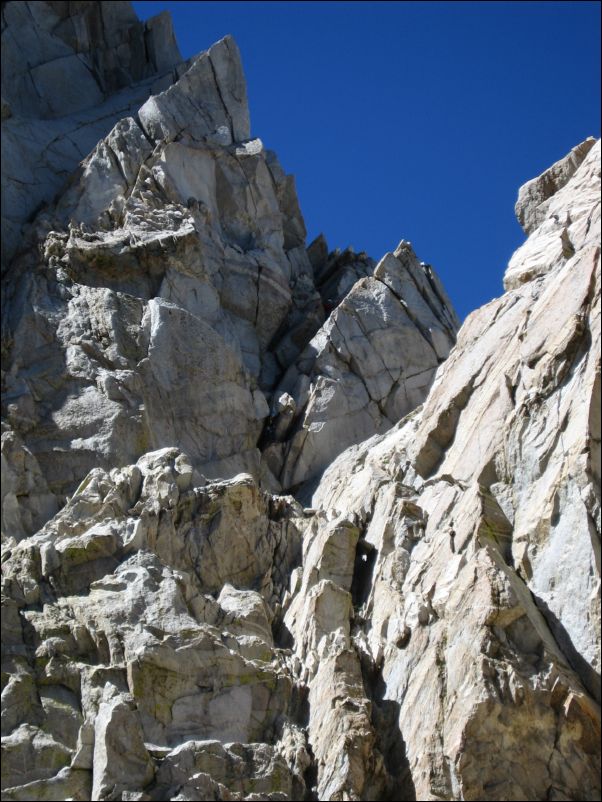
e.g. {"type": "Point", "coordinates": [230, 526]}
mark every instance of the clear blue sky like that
{"type": "Point", "coordinates": [413, 120]}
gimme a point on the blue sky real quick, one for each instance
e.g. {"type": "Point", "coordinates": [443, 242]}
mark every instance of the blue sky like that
{"type": "Point", "coordinates": [413, 120]}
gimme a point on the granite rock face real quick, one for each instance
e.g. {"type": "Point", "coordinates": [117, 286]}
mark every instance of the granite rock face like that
{"type": "Point", "coordinates": [559, 226]}
{"type": "Point", "coordinates": [69, 72]}
{"type": "Point", "coordinates": [181, 374]}
{"type": "Point", "coordinates": [369, 365]}
{"type": "Point", "coordinates": [480, 521]}
{"type": "Point", "coordinates": [162, 296]}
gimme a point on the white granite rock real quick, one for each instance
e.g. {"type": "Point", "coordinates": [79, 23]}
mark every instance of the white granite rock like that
{"type": "Point", "coordinates": [561, 213]}
{"type": "Point", "coordinates": [369, 365]}
{"type": "Point", "coordinates": [68, 75]}
{"type": "Point", "coordinates": [534, 196]}
{"type": "Point", "coordinates": [127, 630]}
{"type": "Point", "coordinates": [163, 296]}
{"type": "Point", "coordinates": [173, 627]}
{"type": "Point", "coordinates": [480, 516]}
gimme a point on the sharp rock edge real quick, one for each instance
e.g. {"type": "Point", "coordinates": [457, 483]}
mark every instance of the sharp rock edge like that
{"type": "Point", "coordinates": [182, 374]}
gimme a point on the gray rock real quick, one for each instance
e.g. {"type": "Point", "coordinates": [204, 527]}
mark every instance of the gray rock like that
{"type": "Point", "coordinates": [27, 502]}
{"type": "Point", "coordinates": [121, 761]}
{"type": "Point", "coordinates": [177, 291]}
{"type": "Point", "coordinates": [175, 358]}
{"type": "Point", "coordinates": [481, 516]}
{"type": "Point", "coordinates": [86, 68]}
{"type": "Point", "coordinates": [558, 226]}
{"type": "Point", "coordinates": [533, 197]}
{"type": "Point", "coordinates": [137, 658]}
{"type": "Point", "coordinates": [370, 364]}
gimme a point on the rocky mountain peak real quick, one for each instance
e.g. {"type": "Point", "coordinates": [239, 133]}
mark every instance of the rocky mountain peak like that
{"type": "Point", "coordinates": [546, 209]}
{"type": "Point", "coordinates": [274, 525]}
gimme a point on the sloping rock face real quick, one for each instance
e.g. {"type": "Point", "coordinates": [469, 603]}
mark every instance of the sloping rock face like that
{"type": "Point", "coordinates": [546, 206]}
{"type": "Point", "coordinates": [480, 522]}
{"type": "Point", "coordinates": [163, 294]}
{"type": "Point", "coordinates": [69, 72]}
{"type": "Point", "coordinates": [174, 625]}
{"type": "Point", "coordinates": [369, 365]}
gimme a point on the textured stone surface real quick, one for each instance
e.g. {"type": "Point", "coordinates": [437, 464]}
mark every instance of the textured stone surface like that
{"type": "Point", "coordinates": [160, 300]}
{"type": "Point", "coordinates": [532, 204]}
{"type": "Point", "coordinates": [146, 339]}
{"type": "Point", "coordinates": [481, 520]}
{"type": "Point", "coordinates": [562, 216]}
{"type": "Point", "coordinates": [69, 73]}
{"type": "Point", "coordinates": [139, 655]}
{"type": "Point", "coordinates": [370, 364]}
{"type": "Point", "coordinates": [175, 360]}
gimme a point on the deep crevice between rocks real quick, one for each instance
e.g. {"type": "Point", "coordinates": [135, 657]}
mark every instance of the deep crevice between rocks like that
{"type": "Point", "coordinates": [389, 739]}
{"type": "Point", "coordinates": [361, 584]}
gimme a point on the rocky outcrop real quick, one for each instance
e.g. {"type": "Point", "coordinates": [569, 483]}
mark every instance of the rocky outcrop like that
{"type": "Point", "coordinates": [369, 365]}
{"type": "Point", "coordinates": [532, 206]}
{"type": "Point", "coordinates": [164, 294]}
{"type": "Point", "coordinates": [69, 72]}
{"type": "Point", "coordinates": [175, 625]}
{"type": "Point", "coordinates": [558, 226]}
{"type": "Point", "coordinates": [480, 522]}
{"type": "Point", "coordinates": [142, 235]}
{"type": "Point", "coordinates": [153, 632]}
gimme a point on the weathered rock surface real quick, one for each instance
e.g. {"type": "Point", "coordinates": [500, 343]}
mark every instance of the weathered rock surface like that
{"type": "Point", "coordinates": [173, 625]}
{"type": "Point", "coordinates": [559, 226]}
{"type": "Point", "coordinates": [480, 520]}
{"type": "Point", "coordinates": [153, 631]}
{"type": "Point", "coordinates": [534, 196]}
{"type": "Point", "coordinates": [162, 297]}
{"type": "Point", "coordinates": [370, 364]}
{"type": "Point", "coordinates": [69, 72]}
